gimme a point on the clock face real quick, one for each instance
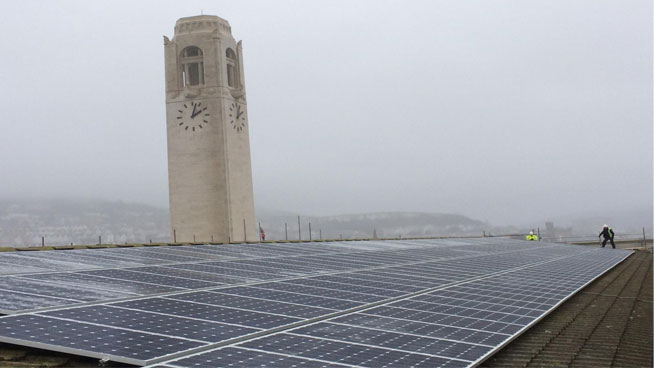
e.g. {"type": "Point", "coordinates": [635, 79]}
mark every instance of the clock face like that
{"type": "Point", "coordinates": [237, 116]}
{"type": "Point", "coordinates": [192, 115]}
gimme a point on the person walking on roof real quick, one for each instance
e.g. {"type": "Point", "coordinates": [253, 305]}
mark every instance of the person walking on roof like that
{"type": "Point", "coordinates": [532, 236]}
{"type": "Point", "coordinates": [608, 234]}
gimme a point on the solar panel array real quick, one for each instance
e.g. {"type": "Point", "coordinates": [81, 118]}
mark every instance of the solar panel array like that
{"type": "Point", "coordinates": [449, 302]}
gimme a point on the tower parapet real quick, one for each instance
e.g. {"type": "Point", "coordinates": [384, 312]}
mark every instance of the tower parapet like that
{"type": "Point", "coordinates": [202, 23]}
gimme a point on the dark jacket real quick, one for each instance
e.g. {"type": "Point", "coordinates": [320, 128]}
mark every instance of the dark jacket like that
{"type": "Point", "coordinates": [607, 233]}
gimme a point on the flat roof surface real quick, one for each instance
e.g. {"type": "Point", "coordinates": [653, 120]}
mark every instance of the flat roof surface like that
{"type": "Point", "coordinates": [608, 323]}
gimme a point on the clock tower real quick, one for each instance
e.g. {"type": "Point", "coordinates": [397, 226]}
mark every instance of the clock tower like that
{"type": "Point", "coordinates": [209, 170]}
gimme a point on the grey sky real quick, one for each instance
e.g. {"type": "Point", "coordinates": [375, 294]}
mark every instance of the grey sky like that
{"type": "Point", "coordinates": [506, 111]}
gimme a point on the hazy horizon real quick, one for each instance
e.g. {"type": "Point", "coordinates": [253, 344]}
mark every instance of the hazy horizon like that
{"type": "Point", "coordinates": [626, 221]}
{"type": "Point", "coordinates": [505, 112]}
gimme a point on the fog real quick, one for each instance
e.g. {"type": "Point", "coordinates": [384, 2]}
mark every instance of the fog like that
{"type": "Point", "coordinates": [504, 111]}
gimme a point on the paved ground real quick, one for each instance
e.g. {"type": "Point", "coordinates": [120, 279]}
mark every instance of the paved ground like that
{"type": "Point", "coordinates": [607, 324]}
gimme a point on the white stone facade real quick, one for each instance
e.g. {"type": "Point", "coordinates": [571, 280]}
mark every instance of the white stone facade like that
{"type": "Point", "coordinates": [209, 169]}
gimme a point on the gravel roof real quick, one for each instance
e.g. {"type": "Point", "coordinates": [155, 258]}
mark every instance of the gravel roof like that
{"type": "Point", "coordinates": [608, 323]}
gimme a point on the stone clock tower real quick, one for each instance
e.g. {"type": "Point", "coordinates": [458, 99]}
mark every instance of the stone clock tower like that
{"type": "Point", "coordinates": [209, 170]}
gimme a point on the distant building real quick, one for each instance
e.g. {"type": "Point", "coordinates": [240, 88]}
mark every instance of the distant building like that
{"type": "Point", "coordinates": [209, 169]}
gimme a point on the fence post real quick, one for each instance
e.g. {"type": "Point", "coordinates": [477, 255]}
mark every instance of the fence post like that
{"type": "Point", "coordinates": [286, 230]}
{"type": "Point", "coordinates": [174, 236]}
{"type": "Point", "coordinates": [644, 239]}
{"type": "Point", "coordinates": [310, 231]}
{"type": "Point", "coordinates": [245, 233]}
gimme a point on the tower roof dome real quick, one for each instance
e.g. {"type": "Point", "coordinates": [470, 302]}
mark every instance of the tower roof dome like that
{"type": "Point", "coordinates": [202, 23]}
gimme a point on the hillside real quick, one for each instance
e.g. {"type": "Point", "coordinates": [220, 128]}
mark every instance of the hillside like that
{"type": "Point", "coordinates": [384, 224]}
{"type": "Point", "coordinates": [24, 222]}
{"type": "Point", "coordinates": [63, 221]}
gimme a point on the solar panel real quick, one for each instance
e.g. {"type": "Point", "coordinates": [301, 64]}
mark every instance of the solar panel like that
{"type": "Point", "coordinates": [163, 324]}
{"type": "Point", "coordinates": [321, 291]}
{"type": "Point", "coordinates": [208, 312]}
{"type": "Point", "coordinates": [11, 301]}
{"type": "Point", "coordinates": [30, 260]}
{"type": "Point", "coordinates": [254, 304]}
{"type": "Point", "coordinates": [102, 283]}
{"type": "Point", "coordinates": [13, 269]}
{"type": "Point", "coordinates": [187, 274]}
{"type": "Point", "coordinates": [297, 296]}
{"type": "Point", "coordinates": [378, 303]}
{"type": "Point", "coordinates": [58, 290]}
{"type": "Point", "coordinates": [151, 278]}
{"type": "Point", "coordinates": [89, 339]}
{"type": "Point", "coordinates": [123, 273]}
{"type": "Point", "coordinates": [351, 353]}
{"type": "Point", "coordinates": [432, 324]}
